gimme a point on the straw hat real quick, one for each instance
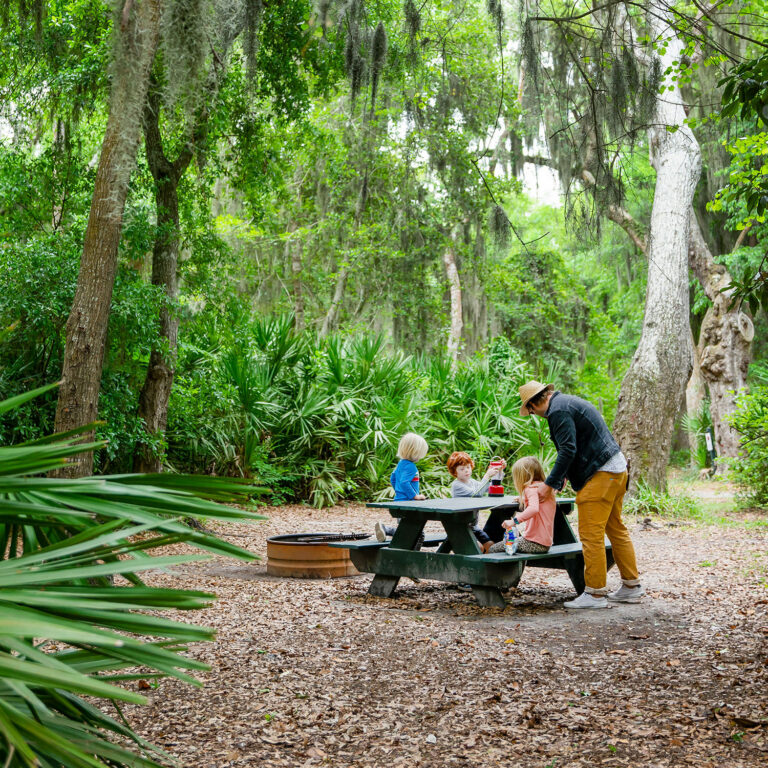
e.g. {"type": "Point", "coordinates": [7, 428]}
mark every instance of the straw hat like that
{"type": "Point", "coordinates": [528, 392]}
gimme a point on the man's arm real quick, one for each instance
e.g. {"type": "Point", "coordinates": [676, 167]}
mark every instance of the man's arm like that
{"type": "Point", "coordinates": [564, 435]}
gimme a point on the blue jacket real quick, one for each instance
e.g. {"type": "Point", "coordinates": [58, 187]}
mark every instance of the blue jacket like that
{"type": "Point", "coordinates": [582, 438]}
{"type": "Point", "coordinates": [405, 480]}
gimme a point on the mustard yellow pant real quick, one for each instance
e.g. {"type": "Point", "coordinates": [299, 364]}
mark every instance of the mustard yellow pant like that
{"type": "Point", "coordinates": [599, 503]}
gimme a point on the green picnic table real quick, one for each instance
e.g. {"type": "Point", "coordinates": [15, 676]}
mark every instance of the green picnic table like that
{"type": "Point", "coordinates": [459, 557]}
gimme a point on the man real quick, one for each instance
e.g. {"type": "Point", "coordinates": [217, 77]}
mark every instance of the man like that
{"type": "Point", "coordinates": [590, 458]}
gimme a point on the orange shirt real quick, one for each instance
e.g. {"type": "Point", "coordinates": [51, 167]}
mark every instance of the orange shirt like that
{"type": "Point", "coordinates": [538, 515]}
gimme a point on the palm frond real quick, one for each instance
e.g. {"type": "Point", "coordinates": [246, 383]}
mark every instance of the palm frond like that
{"type": "Point", "coordinates": [66, 630]}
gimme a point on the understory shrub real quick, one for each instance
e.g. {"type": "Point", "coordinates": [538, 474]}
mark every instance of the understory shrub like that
{"type": "Point", "coordinates": [320, 419]}
{"type": "Point", "coordinates": [750, 470]}
{"type": "Point", "coordinates": [648, 502]}
{"type": "Point", "coordinates": [696, 425]}
{"type": "Point", "coordinates": [74, 640]}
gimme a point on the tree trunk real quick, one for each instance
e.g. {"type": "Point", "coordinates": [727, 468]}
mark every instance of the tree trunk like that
{"type": "Point", "coordinates": [167, 174]}
{"type": "Point", "coordinates": [60, 172]}
{"type": "Point", "coordinates": [86, 334]}
{"type": "Point", "coordinates": [653, 386]}
{"type": "Point", "coordinates": [725, 342]}
{"type": "Point", "coordinates": [156, 392]}
{"type": "Point", "coordinates": [332, 316]}
{"type": "Point", "coordinates": [457, 322]}
{"type": "Point", "coordinates": [293, 250]}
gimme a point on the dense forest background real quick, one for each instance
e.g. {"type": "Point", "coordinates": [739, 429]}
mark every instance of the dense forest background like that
{"type": "Point", "coordinates": [335, 222]}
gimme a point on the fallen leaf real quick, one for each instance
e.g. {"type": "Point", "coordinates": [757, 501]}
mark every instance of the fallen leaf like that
{"type": "Point", "coordinates": [747, 722]}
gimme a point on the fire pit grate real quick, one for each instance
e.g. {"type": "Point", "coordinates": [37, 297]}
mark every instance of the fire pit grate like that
{"type": "Point", "coordinates": [324, 538]}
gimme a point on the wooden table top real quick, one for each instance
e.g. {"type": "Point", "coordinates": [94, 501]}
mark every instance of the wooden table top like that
{"type": "Point", "coordinates": [461, 504]}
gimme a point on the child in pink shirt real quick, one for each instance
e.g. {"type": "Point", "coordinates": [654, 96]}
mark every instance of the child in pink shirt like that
{"type": "Point", "coordinates": [537, 508]}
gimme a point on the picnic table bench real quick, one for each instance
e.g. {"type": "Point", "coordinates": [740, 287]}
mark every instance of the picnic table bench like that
{"type": "Point", "coordinates": [459, 557]}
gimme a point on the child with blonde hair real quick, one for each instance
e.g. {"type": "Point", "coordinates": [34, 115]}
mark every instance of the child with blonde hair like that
{"type": "Point", "coordinates": [405, 476]}
{"type": "Point", "coordinates": [537, 508]}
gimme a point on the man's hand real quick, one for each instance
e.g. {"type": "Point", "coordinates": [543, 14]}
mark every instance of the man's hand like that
{"type": "Point", "coordinates": [549, 492]}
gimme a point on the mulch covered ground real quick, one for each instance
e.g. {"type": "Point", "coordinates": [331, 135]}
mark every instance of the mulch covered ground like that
{"type": "Point", "coordinates": [309, 673]}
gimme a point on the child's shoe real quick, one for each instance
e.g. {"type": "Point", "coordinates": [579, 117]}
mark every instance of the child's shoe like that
{"type": "Point", "coordinates": [383, 532]}
{"type": "Point", "coordinates": [585, 600]}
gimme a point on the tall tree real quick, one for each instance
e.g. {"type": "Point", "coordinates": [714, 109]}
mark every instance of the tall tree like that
{"type": "Point", "coordinates": [454, 283]}
{"type": "Point", "coordinates": [725, 342]}
{"type": "Point", "coordinates": [136, 34]}
{"type": "Point", "coordinates": [655, 382]}
{"type": "Point", "coordinates": [167, 173]}
{"type": "Point", "coordinates": [613, 106]}
{"type": "Point", "coordinates": [184, 69]}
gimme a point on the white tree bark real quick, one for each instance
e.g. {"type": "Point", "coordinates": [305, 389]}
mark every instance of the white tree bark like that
{"type": "Point", "coordinates": [293, 255]}
{"type": "Point", "coordinates": [332, 316]}
{"type": "Point", "coordinates": [457, 321]}
{"type": "Point", "coordinates": [653, 387]}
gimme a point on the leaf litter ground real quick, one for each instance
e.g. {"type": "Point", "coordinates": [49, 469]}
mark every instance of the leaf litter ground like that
{"type": "Point", "coordinates": [309, 673]}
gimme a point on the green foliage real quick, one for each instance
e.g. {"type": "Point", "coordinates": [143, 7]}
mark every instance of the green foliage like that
{"type": "Point", "coordinates": [750, 469]}
{"type": "Point", "coordinates": [696, 426]}
{"type": "Point", "coordinates": [70, 636]}
{"type": "Point", "coordinates": [745, 93]}
{"type": "Point", "coordinates": [321, 419]}
{"type": "Point", "coordinates": [38, 285]}
{"type": "Point", "coordinates": [648, 502]}
{"type": "Point", "coordinates": [747, 178]}
{"type": "Point", "coordinates": [297, 190]}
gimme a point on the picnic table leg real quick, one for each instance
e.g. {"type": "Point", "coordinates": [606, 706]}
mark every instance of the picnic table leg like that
{"type": "Point", "coordinates": [463, 542]}
{"type": "Point", "coordinates": [574, 566]}
{"type": "Point", "coordinates": [405, 537]}
{"type": "Point", "coordinates": [383, 586]}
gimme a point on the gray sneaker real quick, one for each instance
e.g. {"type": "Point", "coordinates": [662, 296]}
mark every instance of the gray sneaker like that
{"type": "Point", "coordinates": [625, 594]}
{"type": "Point", "coordinates": [383, 532]}
{"type": "Point", "coordinates": [585, 600]}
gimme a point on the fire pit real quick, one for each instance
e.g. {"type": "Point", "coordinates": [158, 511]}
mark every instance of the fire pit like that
{"type": "Point", "coordinates": [308, 556]}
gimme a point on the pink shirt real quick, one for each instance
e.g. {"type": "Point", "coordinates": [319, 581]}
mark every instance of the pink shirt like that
{"type": "Point", "coordinates": [538, 515]}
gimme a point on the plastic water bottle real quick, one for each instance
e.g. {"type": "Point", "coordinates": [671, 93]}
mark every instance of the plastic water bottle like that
{"type": "Point", "coordinates": [511, 539]}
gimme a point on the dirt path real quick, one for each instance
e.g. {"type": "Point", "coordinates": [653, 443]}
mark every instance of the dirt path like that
{"type": "Point", "coordinates": [309, 673]}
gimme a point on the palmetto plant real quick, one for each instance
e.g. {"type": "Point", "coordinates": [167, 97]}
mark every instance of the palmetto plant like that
{"type": "Point", "coordinates": [66, 630]}
{"type": "Point", "coordinates": [696, 426]}
{"type": "Point", "coordinates": [328, 413]}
